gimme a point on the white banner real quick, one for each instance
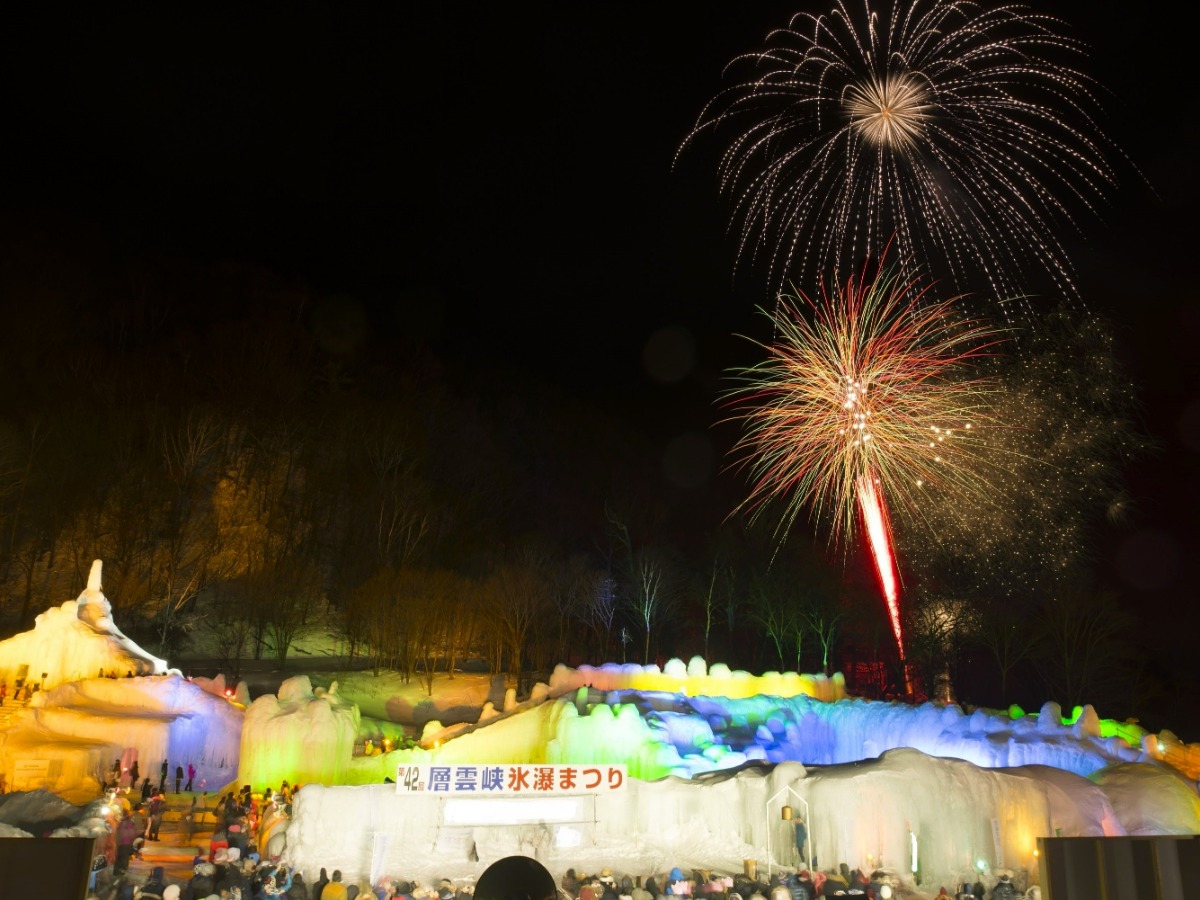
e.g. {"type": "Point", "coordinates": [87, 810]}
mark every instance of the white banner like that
{"type": "Point", "coordinates": [509, 780]}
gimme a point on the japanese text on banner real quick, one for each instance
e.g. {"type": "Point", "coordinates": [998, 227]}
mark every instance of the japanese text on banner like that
{"type": "Point", "coordinates": [509, 780]}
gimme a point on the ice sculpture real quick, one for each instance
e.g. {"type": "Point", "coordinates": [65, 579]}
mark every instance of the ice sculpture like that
{"type": "Point", "coordinates": [300, 736]}
{"type": "Point", "coordinates": [74, 641]}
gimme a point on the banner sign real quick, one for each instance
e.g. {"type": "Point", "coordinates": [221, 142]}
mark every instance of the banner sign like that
{"type": "Point", "coordinates": [28, 773]}
{"type": "Point", "coordinates": [509, 780]}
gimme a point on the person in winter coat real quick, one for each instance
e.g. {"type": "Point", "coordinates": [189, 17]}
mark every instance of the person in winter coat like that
{"type": "Point", "coordinates": [801, 886]}
{"type": "Point", "coordinates": [1004, 889]}
{"type": "Point", "coordinates": [234, 876]}
{"type": "Point", "coordinates": [178, 778]}
{"type": "Point", "coordinates": [217, 842]}
{"type": "Point", "coordinates": [570, 883]}
{"type": "Point", "coordinates": [298, 890]}
{"type": "Point", "coordinates": [203, 881]}
{"type": "Point", "coordinates": [153, 889]}
{"type": "Point", "coordinates": [158, 808]}
{"type": "Point", "coordinates": [191, 777]}
{"type": "Point", "coordinates": [878, 879]}
{"type": "Point", "coordinates": [801, 836]}
{"type": "Point", "coordinates": [334, 890]}
{"type": "Point", "coordinates": [834, 882]}
{"type": "Point", "coordinates": [676, 884]}
{"type": "Point", "coordinates": [147, 790]}
{"type": "Point", "coordinates": [319, 885]}
{"type": "Point", "coordinates": [162, 781]}
{"type": "Point", "coordinates": [126, 833]}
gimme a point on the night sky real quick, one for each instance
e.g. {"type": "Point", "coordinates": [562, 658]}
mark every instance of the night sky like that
{"type": "Point", "coordinates": [499, 181]}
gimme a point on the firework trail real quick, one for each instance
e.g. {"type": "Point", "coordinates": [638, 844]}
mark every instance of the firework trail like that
{"type": "Point", "coordinates": [870, 395]}
{"type": "Point", "coordinates": [949, 125]}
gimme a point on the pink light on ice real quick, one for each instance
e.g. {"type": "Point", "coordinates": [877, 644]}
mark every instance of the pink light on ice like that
{"type": "Point", "coordinates": [879, 535]}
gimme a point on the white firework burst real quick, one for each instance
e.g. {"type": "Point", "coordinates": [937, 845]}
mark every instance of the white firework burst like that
{"type": "Point", "coordinates": [962, 132]}
{"type": "Point", "coordinates": [888, 112]}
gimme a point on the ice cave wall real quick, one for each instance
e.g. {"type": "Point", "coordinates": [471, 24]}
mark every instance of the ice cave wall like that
{"type": "Point", "coordinates": [81, 728]}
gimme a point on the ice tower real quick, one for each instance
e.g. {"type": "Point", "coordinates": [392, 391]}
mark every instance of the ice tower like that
{"type": "Point", "coordinates": [74, 641]}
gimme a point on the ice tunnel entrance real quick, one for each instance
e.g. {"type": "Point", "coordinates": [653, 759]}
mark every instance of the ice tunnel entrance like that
{"type": "Point", "coordinates": [516, 878]}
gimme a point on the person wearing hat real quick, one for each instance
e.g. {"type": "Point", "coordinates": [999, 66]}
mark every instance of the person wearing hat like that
{"type": "Point", "coordinates": [156, 885]}
{"type": "Point", "coordinates": [334, 890]}
{"type": "Point", "coordinates": [203, 880]}
{"type": "Point", "coordinates": [1004, 889]}
{"type": "Point", "coordinates": [570, 883]}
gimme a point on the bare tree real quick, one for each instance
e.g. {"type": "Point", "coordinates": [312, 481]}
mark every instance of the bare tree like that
{"type": "Point", "coordinates": [717, 594]}
{"type": "Point", "coordinates": [600, 611]}
{"type": "Point", "coordinates": [520, 594]}
{"type": "Point", "coordinates": [650, 594]}
{"type": "Point", "coordinates": [772, 611]}
{"type": "Point", "coordinates": [187, 541]}
{"type": "Point", "coordinates": [824, 614]}
{"type": "Point", "coordinates": [1082, 647]}
{"type": "Point", "coordinates": [1008, 633]}
{"type": "Point", "coordinates": [934, 628]}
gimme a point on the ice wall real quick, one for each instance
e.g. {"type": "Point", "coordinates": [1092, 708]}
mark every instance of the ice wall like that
{"type": "Point", "coordinates": [76, 640]}
{"type": "Point", "coordinates": [80, 728]}
{"type": "Point", "coordinates": [799, 728]}
{"type": "Point", "coordinates": [301, 735]}
{"type": "Point", "coordinates": [862, 814]}
{"type": "Point", "coordinates": [659, 733]}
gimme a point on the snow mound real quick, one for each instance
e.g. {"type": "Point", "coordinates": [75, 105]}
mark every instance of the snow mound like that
{"type": "Point", "coordinates": [1150, 799]}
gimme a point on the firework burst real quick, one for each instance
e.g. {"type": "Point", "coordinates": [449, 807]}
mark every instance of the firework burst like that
{"type": "Point", "coordinates": [874, 384]}
{"type": "Point", "coordinates": [946, 124]}
{"type": "Point", "coordinates": [870, 398]}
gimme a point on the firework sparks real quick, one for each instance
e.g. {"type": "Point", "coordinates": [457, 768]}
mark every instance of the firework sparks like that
{"type": "Point", "coordinates": [1053, 469]}
{"type": "Point", "coordinates": [876, 385]}
{"type": "Point", "coordinates": [947, 124]}
{"type": "Point", "coordinates": [871, 397]}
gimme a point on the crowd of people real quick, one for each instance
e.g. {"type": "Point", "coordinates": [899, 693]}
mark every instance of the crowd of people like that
{"type": "Point", "coordinates": [232, 868]}
{"type": "Point", "coordinates": [784, 885]}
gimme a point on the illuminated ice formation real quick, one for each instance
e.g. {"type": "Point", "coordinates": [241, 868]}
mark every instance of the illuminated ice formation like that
{"type": "Point", "coordinates": [76, 640]}
{"type": "Point", "coordinates": [300, 735]}
{"type": "Point", "coordinates": [696, 678]}
{"type": "Point", "coordinates": [657, 733]}
{"type": "Point", "coordinates": [868, 813]}
{"type": "Point", "coordinates": [79, 729]}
